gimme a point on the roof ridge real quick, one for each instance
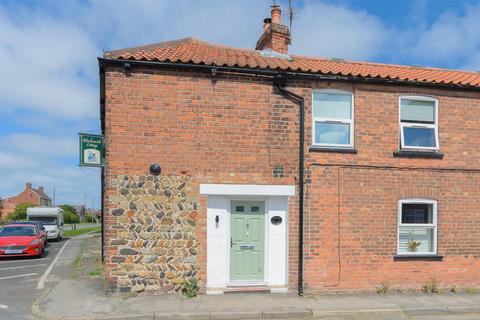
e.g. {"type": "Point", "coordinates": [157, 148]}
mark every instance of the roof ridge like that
{"type": "Point", "coordinates": [155, 45]}
{"type": "Point", "coordinates": [382, 64]}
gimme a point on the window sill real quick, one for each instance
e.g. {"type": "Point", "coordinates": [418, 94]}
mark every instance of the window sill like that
{"type": "Point", "coordinates": [418, 257]}
{"type": "Point", "coordinates": [335, 150]}
{"type": "Point", "coordinates": [418, 154]}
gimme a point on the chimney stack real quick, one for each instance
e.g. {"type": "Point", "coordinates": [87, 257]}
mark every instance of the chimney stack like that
{"type": "Point", "coordinates": [28, 185]}
{"type": "Point", "coordinates": [40, 188]}
{"type": "Point", "coordinates": [276, 36]}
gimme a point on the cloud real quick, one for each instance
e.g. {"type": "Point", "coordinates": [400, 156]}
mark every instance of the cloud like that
{"type": "Point", "coordinates": [49, 66]}
{"type": "Point", "coordinates": [453, 39]}
{"type": "Point", "coordinates": [40, 145]}
{"type": "Point", "coordinates": [327, 30]}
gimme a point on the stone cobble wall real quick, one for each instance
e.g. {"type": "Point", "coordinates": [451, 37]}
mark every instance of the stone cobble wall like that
{"type": "Point", "coordinates": [156, 243]}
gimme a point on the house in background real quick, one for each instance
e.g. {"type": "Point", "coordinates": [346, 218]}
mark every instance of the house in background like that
{"type": "Point", "coordinates": [264, 170]}
{"type": "Point", "coordinates": [37, 197]}
{"type": "Point", "coordinates": [80, 211]}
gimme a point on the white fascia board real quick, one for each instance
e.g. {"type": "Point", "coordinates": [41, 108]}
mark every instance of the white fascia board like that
{"type": "Point", "coordinates": [247, 189]}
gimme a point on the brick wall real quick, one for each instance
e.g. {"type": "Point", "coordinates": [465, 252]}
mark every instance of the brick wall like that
{"type": "Point", "coordinates": [236, 129]}
{"type": "Point", "coordinates": [225, 131]}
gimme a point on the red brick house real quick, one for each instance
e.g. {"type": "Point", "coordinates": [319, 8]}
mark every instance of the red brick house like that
{"type": "Point", "coordinates": [286, 173]}
{"type": "Point", "coordinates": [31, 195]}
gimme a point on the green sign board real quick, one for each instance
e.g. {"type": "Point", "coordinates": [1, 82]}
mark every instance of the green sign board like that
{"type": "Point", "coordinates": [91, 150]}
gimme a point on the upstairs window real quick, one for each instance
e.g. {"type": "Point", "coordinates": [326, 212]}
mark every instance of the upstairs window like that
{"type": "Point", "coordinates": [333, 119]}
{"type": "Point", "coordinates": [418, 123]}
{"type": "Point", "coordinates": [417, 227]}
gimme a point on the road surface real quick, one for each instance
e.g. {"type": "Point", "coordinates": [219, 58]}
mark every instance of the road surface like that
{"type": "Point", "coordinates": [18, 282]}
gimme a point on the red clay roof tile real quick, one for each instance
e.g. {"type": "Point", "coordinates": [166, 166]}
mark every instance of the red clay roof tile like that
{"type": "Point", "coordinates": [195, 51]}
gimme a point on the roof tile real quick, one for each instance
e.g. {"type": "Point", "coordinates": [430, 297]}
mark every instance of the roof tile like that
{"type": "Point", "coordinates": [195, 51]}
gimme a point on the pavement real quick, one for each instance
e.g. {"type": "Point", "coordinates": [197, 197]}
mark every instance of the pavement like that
{"type": "Point", "coordinates": [84, 299]}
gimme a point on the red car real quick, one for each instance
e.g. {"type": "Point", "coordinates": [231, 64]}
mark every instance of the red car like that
{"type": "Point", "coordinates": [21, 240]}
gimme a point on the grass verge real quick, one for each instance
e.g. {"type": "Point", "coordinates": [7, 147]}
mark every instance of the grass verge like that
{"type": "Point", "coordinates": [73, 233]}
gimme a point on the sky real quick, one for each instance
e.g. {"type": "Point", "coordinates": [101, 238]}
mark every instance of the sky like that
{"type": "Point", "coordinates": [48, 52]}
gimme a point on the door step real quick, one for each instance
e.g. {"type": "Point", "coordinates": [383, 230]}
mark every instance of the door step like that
{"type": "Point", "coordinates": [247, 289]}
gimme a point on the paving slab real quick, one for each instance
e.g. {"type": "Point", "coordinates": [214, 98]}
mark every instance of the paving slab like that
{"type": "Point", "coordinates": [85, 299]}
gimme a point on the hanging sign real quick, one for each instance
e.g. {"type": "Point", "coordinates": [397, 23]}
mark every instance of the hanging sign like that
{"type": "Point", "coordinates": [91, 150]}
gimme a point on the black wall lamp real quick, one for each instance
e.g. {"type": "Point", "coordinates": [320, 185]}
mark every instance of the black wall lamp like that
{"type": "Point", "coordinates": [155, 169]}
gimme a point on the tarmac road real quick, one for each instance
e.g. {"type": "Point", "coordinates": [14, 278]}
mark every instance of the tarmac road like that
{"type": "Point", "coordinates": [18, 282]}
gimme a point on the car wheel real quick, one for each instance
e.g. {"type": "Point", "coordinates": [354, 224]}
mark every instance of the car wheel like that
{"type": "Point", "coordinates": [40, 255]}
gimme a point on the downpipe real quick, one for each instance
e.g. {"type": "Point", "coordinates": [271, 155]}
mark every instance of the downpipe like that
{"type": "Point", "coordinates": [279, 83]}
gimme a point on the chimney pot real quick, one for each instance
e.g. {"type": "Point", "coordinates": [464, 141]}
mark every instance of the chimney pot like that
{"type": "Point", "coordinates": [276, 15]}
{"type": "Point", "coordinates": [266, 23]}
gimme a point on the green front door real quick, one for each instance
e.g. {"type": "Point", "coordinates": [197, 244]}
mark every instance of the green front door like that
{"type": "Point", "coordinates": [247, 242]}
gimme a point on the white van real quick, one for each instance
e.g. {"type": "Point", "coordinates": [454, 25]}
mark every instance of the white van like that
{"type": "Point", "coordinates": [52, 219]}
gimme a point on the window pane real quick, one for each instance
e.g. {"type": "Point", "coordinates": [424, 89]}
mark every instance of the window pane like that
{"type": "Point", "coordinates": [417, 110]}
{"type": "Point", "coordinates": [239, 209]}
{"type": "Point", "coordinates": [417, 213]}
{"type": "Point", "coordinates": [332, 106]}
{"type": "Point", "coordinates": [419, 137]}
{"type": "Point", "coordinates": [332, 133]}
{"type": "Point", "coordinates": [416, 239]}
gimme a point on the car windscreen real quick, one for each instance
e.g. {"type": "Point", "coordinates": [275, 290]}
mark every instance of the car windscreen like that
{"type": "Point", "coordinates": [37, 223]}
{"type": "Point", "coordinates": [47, 220]}
{"type": "Point", "coordinates": [15, 231]}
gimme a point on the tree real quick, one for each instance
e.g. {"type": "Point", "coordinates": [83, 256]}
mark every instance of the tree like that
{"type": "Point", "coordinates": [2, 220]}
{"type": "Point", "coordinates": [70, 215]}
{"type": "Point", "coordinates": [20, 212]}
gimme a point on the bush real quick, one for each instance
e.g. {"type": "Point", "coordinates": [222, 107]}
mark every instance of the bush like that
{"type": "Point", "coordinates": [89, 218]}
{"type": "Point", "coordinates": [69, 217]}
{"type": "Point", "coordinates": [70, 214]}
{"type": "Point", "coordinates": [20, 212]}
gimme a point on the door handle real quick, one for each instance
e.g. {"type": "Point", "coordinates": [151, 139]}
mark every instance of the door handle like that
{"type": "Point", "coordinates": [231, 242]}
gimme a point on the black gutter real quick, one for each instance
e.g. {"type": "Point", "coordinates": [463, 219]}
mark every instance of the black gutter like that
{"type": "Point", "coordinates": [102, 177]}
{"type": "Point", "coordinates": [289, 74]}
{"type": "Point", "coordinates": [279, 83]}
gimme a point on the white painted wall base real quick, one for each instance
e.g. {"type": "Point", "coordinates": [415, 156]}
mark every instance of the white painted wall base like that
{"type": "Point", "coordinates": [218, 234]}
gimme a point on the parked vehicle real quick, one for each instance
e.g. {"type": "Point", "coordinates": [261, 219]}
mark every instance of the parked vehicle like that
{"type": "Point", "coordinates": [40, 226]}
{"type": "Point", "coordinates": [21, 240]}
{"type": "Point", "coordinates": [52, 219]}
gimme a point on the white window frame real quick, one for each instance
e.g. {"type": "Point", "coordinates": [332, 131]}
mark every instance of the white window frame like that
{"type": "Point", "coordinates": [432, 225]}
{"type": "Point", "coordinates": [417, 125]}
{"type": "Point", "coordinates": [350, 122]}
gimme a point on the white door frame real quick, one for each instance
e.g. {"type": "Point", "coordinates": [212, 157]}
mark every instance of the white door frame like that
{"type": "Point", "coordinates": [219, 200]}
